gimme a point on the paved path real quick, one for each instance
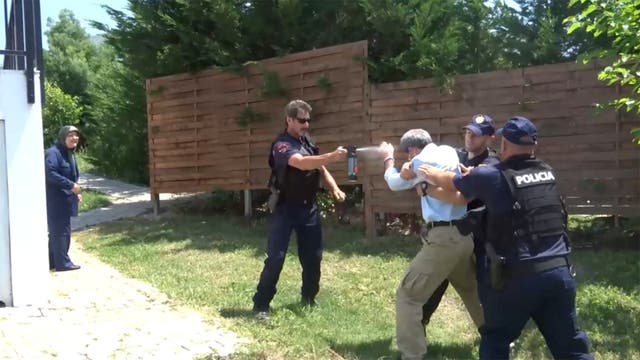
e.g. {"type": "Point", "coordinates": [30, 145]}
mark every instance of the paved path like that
{"type": "Point", "coordinates": [97, 313]}
{"type": "Point", "coordinates": [128, 201]}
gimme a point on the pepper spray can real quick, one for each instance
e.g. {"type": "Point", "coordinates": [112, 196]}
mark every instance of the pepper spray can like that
{"type": "Point", "coordinates": [352, 163]}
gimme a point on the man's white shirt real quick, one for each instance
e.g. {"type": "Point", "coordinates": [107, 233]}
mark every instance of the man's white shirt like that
{"type": "Point", "coordinates": [442, 157]}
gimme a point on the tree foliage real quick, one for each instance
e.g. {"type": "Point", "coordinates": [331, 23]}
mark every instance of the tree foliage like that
{"type": "Point", "coordinates": [67, 62]}
{"type": "Point", "coordinates": [447, 38]}
{"type": "Point", "coordinates": [98, 94]}
{"type": "Point", "coordinates": [60, 109]}
{"type": "Point", "coordinates": [118, 147]}
{"type": "Point", "coordinates": [170, 36]}
{"type": "Point", "coordinates": [618, 20]}
{"type": "Point", "coordinates": [533, 33]}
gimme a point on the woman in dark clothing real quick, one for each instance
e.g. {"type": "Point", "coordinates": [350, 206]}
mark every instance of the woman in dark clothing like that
{"type": "Point", "coordinates": [63, 196]}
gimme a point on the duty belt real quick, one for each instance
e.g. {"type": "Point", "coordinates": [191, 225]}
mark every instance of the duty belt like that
{"type": "Point", "coordinates": [529, 268]}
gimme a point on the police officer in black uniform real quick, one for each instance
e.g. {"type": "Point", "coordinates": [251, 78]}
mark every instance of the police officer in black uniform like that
{"type": "Point", "coordinates": [478, 135]}
{"type": "Point", "coordinates": [296, 170]}
{"type": "Point", "coordinates": [529, 274]}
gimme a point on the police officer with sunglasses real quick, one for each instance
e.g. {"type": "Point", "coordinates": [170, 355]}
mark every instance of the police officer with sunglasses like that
{"type": "Point", "coordinates": [296, 169]}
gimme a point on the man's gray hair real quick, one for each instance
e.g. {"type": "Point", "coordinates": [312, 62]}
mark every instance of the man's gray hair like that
{"type": "Point", "coordinates": [418, 138]}
{"type": "Point", "coordinates": [291, 110]}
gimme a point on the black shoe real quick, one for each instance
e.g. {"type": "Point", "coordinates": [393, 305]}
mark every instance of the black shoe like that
{"type": "Point", "coordinates": [308, 302]}
{"type": "Point", "coordinates": [261, 313]}
{"type": "Point", "coordinates": [69, 268]}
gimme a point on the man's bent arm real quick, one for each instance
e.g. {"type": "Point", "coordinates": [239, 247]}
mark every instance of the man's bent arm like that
{"type": "Point", "coordinates": [448, 196]}
{"type": "Point", "coordinates": [441, 178]}
{"type": "Point", "coordinates": [395, 182]}
{"type": "Point", "coordinates": [329, 181]}
{"type": "Point", "coordinates": [311, 162]}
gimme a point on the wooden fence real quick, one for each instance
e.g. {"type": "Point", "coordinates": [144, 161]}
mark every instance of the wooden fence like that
{"type": "Point", "coordinates": [195, 143]}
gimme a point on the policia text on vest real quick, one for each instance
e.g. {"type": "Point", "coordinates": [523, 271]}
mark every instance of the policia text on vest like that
{"type": "Point", "coordinates": [535, 178]}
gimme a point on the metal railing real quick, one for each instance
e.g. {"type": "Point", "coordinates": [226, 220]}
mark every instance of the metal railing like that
{"type": "Point", "coordinates": [23, 45]}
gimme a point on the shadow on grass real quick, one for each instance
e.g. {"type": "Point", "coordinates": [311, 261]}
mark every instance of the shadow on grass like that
{"type": "Point", "coordinates": [377, 349]}
{"type": "Point", "coordinates": [365, 350]}
{"type": "Point", "coordinates": [243, 313]}
{"type": "Point", "coordinates": [451, 351]}
{"type": "Point", "coordinates": [229, 234]}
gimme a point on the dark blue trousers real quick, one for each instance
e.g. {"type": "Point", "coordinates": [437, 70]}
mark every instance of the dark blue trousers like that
{"type": "Point", "coordinates": [305, 220]}
{"type": "Point", "coordinates": [59, 240]}
{"type": "Point", "coordinates": [549, 299]}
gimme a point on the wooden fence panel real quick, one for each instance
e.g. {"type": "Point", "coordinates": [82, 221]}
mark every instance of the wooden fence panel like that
{"type": "Point", "coordinates": [195, 140]}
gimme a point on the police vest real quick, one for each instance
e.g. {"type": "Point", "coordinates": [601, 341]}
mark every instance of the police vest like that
{"type": "Point", "coordinates": [295, 185]}
{"type": "Point", "coordinates": [538, 210]}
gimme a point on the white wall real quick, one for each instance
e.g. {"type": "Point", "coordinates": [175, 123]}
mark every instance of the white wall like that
{"type": "Point", "coordinates": [5, 254]}
{"type": "Point", "coordinates": [27, 197]}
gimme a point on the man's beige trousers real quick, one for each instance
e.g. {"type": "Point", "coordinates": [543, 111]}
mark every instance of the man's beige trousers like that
{"type": "Point", "coordinates": [445, 253]}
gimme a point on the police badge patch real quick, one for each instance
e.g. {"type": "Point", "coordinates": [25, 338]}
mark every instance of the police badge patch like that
{"type": "Point", "coordinates": [282, 147]}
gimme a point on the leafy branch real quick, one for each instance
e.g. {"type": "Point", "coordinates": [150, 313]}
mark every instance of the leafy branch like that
{"type": "Point", "coordinates": [618, 20]}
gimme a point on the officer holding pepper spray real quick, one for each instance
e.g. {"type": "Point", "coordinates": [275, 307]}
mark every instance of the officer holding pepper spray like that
{"type": "Point", "coordinates": [296, 167]}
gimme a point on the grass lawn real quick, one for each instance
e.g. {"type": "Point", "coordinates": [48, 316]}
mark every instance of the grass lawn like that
{"type": "Point", "coordinates": [93, 199]}
{"type": "Point", "coordinates": [212, 263]}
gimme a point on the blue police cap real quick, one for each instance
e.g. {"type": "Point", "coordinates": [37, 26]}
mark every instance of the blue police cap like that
{"type": "Point", "coordinates": [520, 131]}
{"type": "Point", "coordinates": [481, 125]}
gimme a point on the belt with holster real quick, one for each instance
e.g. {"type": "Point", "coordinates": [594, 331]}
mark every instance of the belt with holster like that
{"type": "Point", "coordinates": [500, 273]}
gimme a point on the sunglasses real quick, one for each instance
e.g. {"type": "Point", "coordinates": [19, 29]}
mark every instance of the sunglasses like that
{"type": "Point", "coordinates": [303, 120]}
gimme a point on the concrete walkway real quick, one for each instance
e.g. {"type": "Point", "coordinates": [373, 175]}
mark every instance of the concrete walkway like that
{"type": "Point", "coordinates": [97, 313]}
{"type": "Point", "coordinates": [128, 201]}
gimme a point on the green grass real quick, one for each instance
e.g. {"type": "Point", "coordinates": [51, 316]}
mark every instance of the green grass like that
{"type": "Point", "coordinates": [92, 199]}
{"type": "Point", "coordinates": [212, 264]}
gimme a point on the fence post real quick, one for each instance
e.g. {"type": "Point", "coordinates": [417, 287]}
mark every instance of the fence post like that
{"type": "Point", "coordinates": [369, 215]}
{"type": "Point", "coordinates": [155, 202]}
{"type": "Point", "coordinates": [247, 203]}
